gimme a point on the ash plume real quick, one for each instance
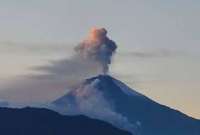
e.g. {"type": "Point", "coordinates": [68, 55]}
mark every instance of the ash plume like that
{"type": "Point", "coordinates": [97, 47]}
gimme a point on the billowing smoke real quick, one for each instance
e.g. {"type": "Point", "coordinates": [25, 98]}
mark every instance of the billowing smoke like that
{"type": "Point", "coordinates": [97, 47]}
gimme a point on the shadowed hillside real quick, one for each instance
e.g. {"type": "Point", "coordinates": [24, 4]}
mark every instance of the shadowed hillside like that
{"type": "Point", "coordinates": [32, 121]}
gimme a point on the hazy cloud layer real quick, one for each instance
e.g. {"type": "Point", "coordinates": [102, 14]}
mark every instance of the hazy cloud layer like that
{"type": "Point", "coordinates": [156, 53]}
{"type": "Point", "coordinates": [51, 80]}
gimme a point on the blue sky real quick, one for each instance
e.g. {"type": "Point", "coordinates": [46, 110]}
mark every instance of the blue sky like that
{"type": "Point", "coordinates": [158, 42]}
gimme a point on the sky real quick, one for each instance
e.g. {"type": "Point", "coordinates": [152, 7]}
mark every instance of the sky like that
{"type": "Point", "coordinates": [158, 44]}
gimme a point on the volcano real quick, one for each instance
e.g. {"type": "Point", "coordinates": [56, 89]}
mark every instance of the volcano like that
{"type": "Point", "coordinates": [106, 98]}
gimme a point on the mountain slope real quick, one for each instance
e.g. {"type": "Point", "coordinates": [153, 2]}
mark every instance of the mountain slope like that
{"type": "Point", "coordinates": [32, 121]}
{"type": "Point", "coordinates": [108, 99]}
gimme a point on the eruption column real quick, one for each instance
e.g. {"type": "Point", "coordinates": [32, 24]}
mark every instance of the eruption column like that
{"type": "Point", "coordinates": [97, 47]}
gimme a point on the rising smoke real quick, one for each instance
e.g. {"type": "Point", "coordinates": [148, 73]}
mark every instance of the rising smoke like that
{"type": "Point", "coordinates": [97, 47]}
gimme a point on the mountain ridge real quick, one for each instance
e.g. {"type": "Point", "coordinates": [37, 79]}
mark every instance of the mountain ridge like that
{"type": "Point", "coordinates": [42, 121]}
{"type": "Point", "coordinates": [139, 94]}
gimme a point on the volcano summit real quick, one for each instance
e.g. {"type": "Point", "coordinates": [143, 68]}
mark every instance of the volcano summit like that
{"type": "Point", "coordinates": [108, 99]}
